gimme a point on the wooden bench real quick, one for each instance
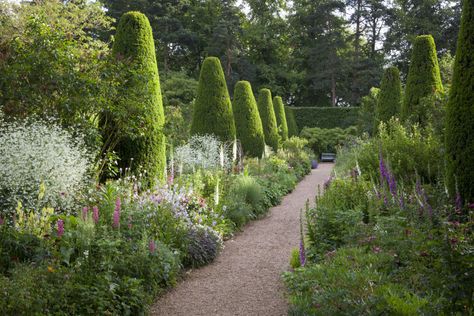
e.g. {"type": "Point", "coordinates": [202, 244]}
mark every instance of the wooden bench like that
{"type": "Point", "coordinates": [328, 157]}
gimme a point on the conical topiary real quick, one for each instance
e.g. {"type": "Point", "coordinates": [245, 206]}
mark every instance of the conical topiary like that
{"type": "Point", "coordinates": [142, 148]}
{"type": "Point", "coordinates": [212, 108]}
{"type": "Point", "coordinates": [460, 113]}
{"type": "Point", "coordinates": [248, 124]}
{"type": "Point", "coordinates": [390, 96]}
{"type": "Point", "coordinates": [280, 117]}
{"type": "Point", "coordinates": [424, 80]}
{"type": "Point", "coordinates": [291, 121]}
{"type": "Point", "coordinates": [267, 114]}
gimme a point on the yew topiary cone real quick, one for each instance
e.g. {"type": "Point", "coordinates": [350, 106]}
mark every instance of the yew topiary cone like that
{"type": "Point", "coordinates": [390, 96]}
{"type": "Point", "coordinates": [144, 148]}
{"type": "Point", "coordinates": [248, 124]}
{"type": "Point", "coordinates": [424, 79]}
{"type": "Point", "coordinates": [267, 114]}
{"type": "Point", "coordinates": [280, 117]}
{"type": "Point", "coordinates": [460, 113]}
{"type": "Point", "coordinates": [213, 109]}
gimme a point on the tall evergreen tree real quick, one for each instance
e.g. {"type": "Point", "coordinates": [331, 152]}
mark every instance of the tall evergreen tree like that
{"type": "Point", "coordinates": [424, 80]}
{"type": "Point", "coordinates": [280, 117]}
{"type": "Point", "coordinates": [460, 113]}
{"type": "Point", "coordinates": [389, 97]}
{"type": "Point", "coordinates": [267, 114]}
{"type": "Point", "coordinates": [144, 149]}
{"type": "Point", "coordinates": [212, 108]}
{"type": "Point", "coordinates": [248, 124]}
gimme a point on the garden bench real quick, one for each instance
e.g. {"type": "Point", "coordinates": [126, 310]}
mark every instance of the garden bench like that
{"type": "Point", "coordinates": [328, 157]}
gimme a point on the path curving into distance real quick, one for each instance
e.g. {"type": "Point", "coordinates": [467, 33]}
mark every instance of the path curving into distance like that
{"type": "Point", "coordinates": [245, 279]}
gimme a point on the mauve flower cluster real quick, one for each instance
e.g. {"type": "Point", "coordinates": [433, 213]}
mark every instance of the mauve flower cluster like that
{"type": "Point", "coordinates": [388, 178]}
{"type": "Point", "coordinates": [116, 215]}
{"type": "Point", "coordinates": [185, 204]}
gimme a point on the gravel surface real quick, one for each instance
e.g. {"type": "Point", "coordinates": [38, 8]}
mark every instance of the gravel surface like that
{"type": "Point", "coordinates": [245, 279]}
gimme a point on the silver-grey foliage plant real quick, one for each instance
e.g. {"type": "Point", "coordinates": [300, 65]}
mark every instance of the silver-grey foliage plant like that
{"type": "Point", "coordinates": [40, 154]}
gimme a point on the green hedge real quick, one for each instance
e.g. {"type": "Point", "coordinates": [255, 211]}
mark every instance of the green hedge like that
{"type": "Point", "coordinates": [325, 117]}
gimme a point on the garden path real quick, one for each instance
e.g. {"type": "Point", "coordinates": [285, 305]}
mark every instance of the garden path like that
{"type": "Point", "coordinates": [245, 279]}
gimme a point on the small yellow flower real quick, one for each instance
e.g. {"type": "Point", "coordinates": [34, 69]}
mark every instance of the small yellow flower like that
{"type": "Point", "coordinates": [50, 269]}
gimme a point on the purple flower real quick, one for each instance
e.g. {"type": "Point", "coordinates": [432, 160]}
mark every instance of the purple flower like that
{"type": "Point", "coordinates": [458, 201]}
{"type": "Point", "coordinates": [302, 253]}
{"type": "Point", "coordinates": [152, 246]}
{"type": "Point", "coordinates": [118, 204]}
{"type": "Point", "coordinates": [60, 227]}
{"type": "Point", "coordinates": [85, 211]}
{"type": "Point", "coordinates": [383, 169]}
{"type": "Point", "coordinates": [471, 206]}
{"type": "Point", "coordinates": [392, 184]}
{"type": "Point", "coordinates": [95, 214]}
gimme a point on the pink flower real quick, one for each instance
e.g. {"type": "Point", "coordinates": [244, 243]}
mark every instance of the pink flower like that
{"type": "Point", "coordinates": [60, 227]}
{"type": "Point", "coordinates": [152, 246]}
{"type": "Point", "coordinates": [85, 211]}
{"type": "Point", "coordinates": [2, 221]}
{"type": "Point", "coordinates": [116, 223]}
{"type": "Point", "coordinates": [95, 214]}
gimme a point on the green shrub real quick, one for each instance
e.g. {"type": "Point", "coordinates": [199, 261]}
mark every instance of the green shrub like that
{"type": "Point", "coordinates": [212, 112]}
{"type": "Point", "coordinates": [327, 140]}
{"type": "Point", "coordinates": [408, 152]}
{"type": "Point", "coordinates": [390, 96]}
{"type": "Point", "coordinates": [326, 117]}
{"type": "Point", "coordinates": [336, 221]}
{"type": "Point", "coordinates": [460, 113]}
{"type": "Point", "coordinates": [366, 115]}
{"type": "Point", "coordinates": [295, 258]}
{"type": "Point", "coordinates": [281, 117]}
{"type": "Point", "coordinates": [144, 148]}
{"type": "Point", "coordinates": [247, 120]}
{"type": "Point", "coordinates": [291, 121]}
{"type": "Point", "coordinates": [267, 114]}
{"type": "Point", "coordinates": [423, 79]}
{"type": "Point", "coordinates": [343, 284]}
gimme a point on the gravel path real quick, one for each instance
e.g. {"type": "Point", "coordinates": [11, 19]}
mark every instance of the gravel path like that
{"type": "Point", "coordinates": [245, 279]}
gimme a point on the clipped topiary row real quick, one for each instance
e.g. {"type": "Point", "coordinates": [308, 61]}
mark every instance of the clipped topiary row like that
{"type": "Point", "coordinates": [269, 122]}
{"type": "Point", "coordinates": [389, 98]}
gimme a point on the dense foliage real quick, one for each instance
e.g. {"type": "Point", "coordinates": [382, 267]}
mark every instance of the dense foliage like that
{"type": "Point", "coordinates": [390, 96]}
{"type": "Point", "coordinates": [212, 112]}
{"type": "Point", "coordinates": [247, 120]}
{"type": "Point", "coordinates": [460, 114]}
{"type": "Point", "coordinates": [326, 117]}
{"type": "Point", "coordinates": [280, 117]}
{"type": "Point", "coordinates": [291, 122]}
{"type": "Point", "coordinates": [382, 239]}
{"type": "Point", "coordinates": [423, 81]}
{"type": "Point", "coordinates": [269, 122]}
{"type": "Point", "coordinates": [366, 115]}
{"type": "Point", "coordinates": [327, 140]}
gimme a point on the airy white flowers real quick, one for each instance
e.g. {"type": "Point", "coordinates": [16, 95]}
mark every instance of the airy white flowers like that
{"type": "Point", "coordinates": [40, 154]}
{"type": "Point", "coordinates": [203, 152]}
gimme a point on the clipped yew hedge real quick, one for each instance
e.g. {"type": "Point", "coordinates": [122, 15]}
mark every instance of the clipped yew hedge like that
{"type": "Point", "coordinates": [325, 117]}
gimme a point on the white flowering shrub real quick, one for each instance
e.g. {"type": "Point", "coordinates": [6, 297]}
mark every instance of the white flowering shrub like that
{"type": "Point", "coordinates": [203, 152]}
{"type": "Point", "coordinates": [40, 156]}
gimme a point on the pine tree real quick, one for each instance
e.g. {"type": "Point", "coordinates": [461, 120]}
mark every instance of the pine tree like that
{"type": "Point", "coordinates": [280, 117]}
{"type": "Point", "coordinates": [212, 108]}
{"type": "Point", "coordinates": [143, 149]}
{"type": "Point", "coordinates": [291, 121]}
{"type": "Point", "coordinates": [248, 124]}
{"type": "Point", "coordinates": [460, 113]}
{"type": "Point", "coordinates": [267, 114]}
{"type": "Point", "coordinates": [424, 80]}
{"type": "Point", "coordinates": [390, 96]}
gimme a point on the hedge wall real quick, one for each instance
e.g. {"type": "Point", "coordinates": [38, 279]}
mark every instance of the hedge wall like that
{"type": "Point", "coordinates": [325, 117]}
